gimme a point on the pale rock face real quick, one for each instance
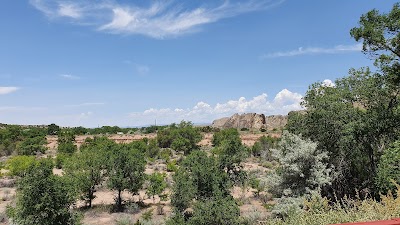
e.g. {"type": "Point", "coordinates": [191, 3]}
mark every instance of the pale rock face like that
{"type": "Point", "coordinates": [252, 121]}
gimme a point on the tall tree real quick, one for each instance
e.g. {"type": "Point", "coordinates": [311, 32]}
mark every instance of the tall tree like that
{"type": "Point", "coordinates": [43, 198]}
{"type": "Point", "coordinates": [125, 170]}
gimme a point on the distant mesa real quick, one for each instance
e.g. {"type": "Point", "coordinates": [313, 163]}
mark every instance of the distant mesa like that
{"type": "Point", "coordinates": [251, 121]}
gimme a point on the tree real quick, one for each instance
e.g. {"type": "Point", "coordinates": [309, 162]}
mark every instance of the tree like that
{"type": "Point", "coordinates": [388, 169]}
{"type": "Point", "coordinates": [53, 129]}
{"type": "Point", "coordinates": [87, 169]}
{"type": "Point", "coordinates": [126, 170]}
{"type": "Point", "coordinates": [157, 184]}
{"type": "Point", "coordinates": [31, 146]}
{"type": "Point", "coordinates": [230, 153]}
{"type": "Point", "coordinates": [43, 198]}
{"type": "Point", "coordinates": [224, 135]}
{"type": "Point", "coordinates": [183, 137]}
{"type": "Point", "coordinates": [66, 143]}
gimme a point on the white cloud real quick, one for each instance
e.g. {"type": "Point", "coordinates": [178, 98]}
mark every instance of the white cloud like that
{"type": "Point", "coordinates": [69, 10]}
{"type": "Point", "coordinates": [69, 77]}
{"type": "Point", "coordinates": [315, 50]}
{"type": "Point", "coordinates": [284, 102]}
{"type": "Point", "coordinates": [8, 90]}
{"type": "Point", "coordinates": [328, 83]}
{"type": "Point", "coordinates": [159, 19]}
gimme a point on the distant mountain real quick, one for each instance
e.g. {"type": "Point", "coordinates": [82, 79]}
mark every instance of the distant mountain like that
{"type": "Point", "coordinates": [251, 121]}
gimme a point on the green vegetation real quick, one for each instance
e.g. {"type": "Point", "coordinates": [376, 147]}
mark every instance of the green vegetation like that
{"type": "Point", "coordinates": [43, 198]}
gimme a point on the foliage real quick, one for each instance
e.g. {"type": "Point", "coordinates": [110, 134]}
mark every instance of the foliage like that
{"type": "Point", "coordinates": [264, 146]}
{"type": "Point", "coordinates": [18, 165]}
{"type": "Point", "coordinates": [66, 143]}
{"type": "Point", "coordinates": [126, 170]}
{"type": "Point", "coordinates": [319, 211]}
{"type": "Point", "coordinates": [157, 184]}
{"type": "Point", "coordinates": [230, 153]}
{"type": "Point", "coordinates": [225, 135]}
{"type": "Point", "coordinates": [388, 169]}
{"type": "Point", "coordinates": [31, 146]}
{"type": "Point", "coordinates": [183, 137]}
{"type": "Point", "coordinates": [171, 166]}
{"type": "Point", "coordinates": [87, 169]}
{"type": "Point", "coordinates": [43, 198]}
{"type": "Point", "coordinates": [152, 149]}
{"type": "Point", "coordinates": [183, 191]}
{"type": "Point", "coordinates": [53, 129]}
{"type": "Point", "coordinates": [217, 210]}
{"type": "Point", "coordinates": [302, 167]}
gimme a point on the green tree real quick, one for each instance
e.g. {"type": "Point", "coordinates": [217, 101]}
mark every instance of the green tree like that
{"type": "Point", "coordinates": [66, 143]}
{"type": "Point", "coordinates": [43, 198]}
{"type": "Point", "coordinates": [87, 169]}
{"type": "Point", "coordinates": [53, 129]}
{"type": "Point", "coordinates": [157, 184]}
{"type": "Point", "coordinates": [388, 169]}
{"type": "Point", "coordinates": [224, 135]}
{"type": "Point", "coordinates": [125, 170]}
{"type": "Point", "coordinates": [31, 146]}
{"type": "Point", "coordinates": [183, 137]}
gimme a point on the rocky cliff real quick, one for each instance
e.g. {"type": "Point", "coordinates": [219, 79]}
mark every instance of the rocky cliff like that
{"type": "Point", "coordinates": [251, 121]}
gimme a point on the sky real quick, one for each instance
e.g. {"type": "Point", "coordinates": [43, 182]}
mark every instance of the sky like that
{"type": "Point", "coordinates": [138, 62]}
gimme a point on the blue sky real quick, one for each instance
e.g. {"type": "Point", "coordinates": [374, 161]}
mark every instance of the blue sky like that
{"type": "Point", "coordinates": [129, 63]}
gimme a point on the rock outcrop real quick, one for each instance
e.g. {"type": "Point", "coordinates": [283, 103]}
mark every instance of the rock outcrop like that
{"type": "Point", "coordinates": [251, 121]}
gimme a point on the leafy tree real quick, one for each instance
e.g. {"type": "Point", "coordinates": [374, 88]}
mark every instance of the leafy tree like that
{"type": "Point", "coordinates": [388, 169]}
{"type": "Point", "coordinates": [225, 135]}
{"type": "Point", "coordinates": [43, 198]}
{"type": "Point", "coordinates": [358, 118]}
{"type": "Point", "coordinates": [126, 170]}
{"type": "Point", "coordinates": [53, 129]}
{"type": "Point", "coordinates": [31, 146]}
{"type": "Point", "coordinates": [230, 153]}
{"type": "Point", "coordinates": [87, 169]}
{"type": "Point", "coordinates": [152, 149]}
{"type": "Point", "coordinates": [157, 184]}
{"type": "Point", "coordinates": [183, 191]}
{"type": "Point", "coordinates": [183, 137]}
{"type": "Point", "coordinates": [66, 143]}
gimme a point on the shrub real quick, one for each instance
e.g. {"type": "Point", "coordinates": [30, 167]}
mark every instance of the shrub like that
{"type": "Point", "coordinates": [18, 165]}
{"type": "Point", "coordinates": [388, 169]}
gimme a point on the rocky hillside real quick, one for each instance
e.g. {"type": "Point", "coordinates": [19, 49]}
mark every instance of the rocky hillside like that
{"type": "Point", "coordinates": [251, 121]}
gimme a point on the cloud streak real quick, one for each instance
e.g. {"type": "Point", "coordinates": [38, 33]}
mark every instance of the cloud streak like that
{"type": "Point", "coordinates": [69, 77]}
{"type": "Point", "coordinates": [315, 51]}
{"type": "Point", "coordinates": [157, 19]}
{"type": "Point", "coordinates": [283, 102]}
{"type": "Point", "coordinates": [8, 90]}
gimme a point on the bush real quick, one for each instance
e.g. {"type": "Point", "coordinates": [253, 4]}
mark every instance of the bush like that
{"type": "Point", "coordinates": [171, 166]}
{"type": "Point", "coordinates": [388, 169]}
{"type": "Point", "coordinates": [18, 165]}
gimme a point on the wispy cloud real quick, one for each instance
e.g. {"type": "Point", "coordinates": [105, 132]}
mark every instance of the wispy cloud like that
{"type": "Point", "coordinates": [159, 19]}
{"type": "Point", "coordinates": [142, 69]}
{"type": "Point", "coordinates": [69, 77]}
{"type": "Point", "coordinates": [283, 102]}
{"type": "Point", "coordinates": [314, 51]}
{"type": "Point", "coordinates": [8, 90]}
